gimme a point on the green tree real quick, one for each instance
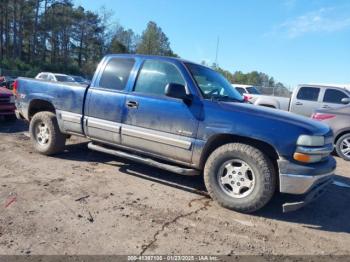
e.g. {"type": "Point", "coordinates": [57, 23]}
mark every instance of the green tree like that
{"type": "Point", "coordinates": [123, 41]}
{"type": "Point", "coordinates": [154, 42]}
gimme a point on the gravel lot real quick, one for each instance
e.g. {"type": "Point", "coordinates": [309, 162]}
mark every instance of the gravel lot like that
{"type": "Point", "coordinates": [84, 202]}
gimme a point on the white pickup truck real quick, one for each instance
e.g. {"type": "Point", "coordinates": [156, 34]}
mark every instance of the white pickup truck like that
{"type": "Point", "coordinates": [304, 100]}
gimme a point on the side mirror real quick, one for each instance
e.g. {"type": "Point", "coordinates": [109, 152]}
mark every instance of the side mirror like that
{"type": "Point", "coordinates": [177, 91]}
{"type": "Point", "coordinates": [345, 101]}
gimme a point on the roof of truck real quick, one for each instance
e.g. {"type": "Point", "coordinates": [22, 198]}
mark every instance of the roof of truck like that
{"type": "Point", "coordinates": [58, 74]}
{"type": "Point", "coordinates": [343, 86]}
{"type": "Point", "coordinates": [169, 58]}
{"type": "Point", "coordinates": [334, 85]}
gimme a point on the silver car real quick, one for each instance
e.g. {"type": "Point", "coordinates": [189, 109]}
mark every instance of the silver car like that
{"type": "Point", "coordinates": [339, 120]}
{"type": "Point", "coordinates": [305, 98]}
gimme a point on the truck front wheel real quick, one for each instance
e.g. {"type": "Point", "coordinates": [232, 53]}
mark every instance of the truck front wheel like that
{"type": "Point", "coordinates": [240, 177]}
{"type": "Point", "coordinates": [45, 134]}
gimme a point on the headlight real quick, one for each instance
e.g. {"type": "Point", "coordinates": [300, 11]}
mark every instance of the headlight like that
{"type": "Point", "coordinates": [311, 149]}
{"type": "Point", "coordinates": [12, 99]}
{"type": "Point", "coordinates": [305, 140]}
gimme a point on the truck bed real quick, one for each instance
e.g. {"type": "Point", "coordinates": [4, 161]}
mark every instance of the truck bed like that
{"type": "Point", "coordinates": [64, 96]}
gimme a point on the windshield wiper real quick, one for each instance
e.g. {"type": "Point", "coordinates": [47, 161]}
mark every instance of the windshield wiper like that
{"type": "Point", "coordinates": [225, 98]}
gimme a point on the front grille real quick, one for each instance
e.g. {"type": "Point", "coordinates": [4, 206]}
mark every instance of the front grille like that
{"type": "Point", "coordinates": [4, 100]}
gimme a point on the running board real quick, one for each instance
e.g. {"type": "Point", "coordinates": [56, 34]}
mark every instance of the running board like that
{"type": "Point", "coordinates": [143, 160]}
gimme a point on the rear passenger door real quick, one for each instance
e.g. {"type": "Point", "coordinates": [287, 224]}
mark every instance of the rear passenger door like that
{"type": "Point", "coordinates": [105, 101]}
{"type": "Point", "coordinates": [332, 98]}
{"type": "Point", "coordinates": [306, 101]}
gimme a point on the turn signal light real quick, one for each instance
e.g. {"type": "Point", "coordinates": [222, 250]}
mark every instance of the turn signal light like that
{"type": "Point", "coordinates": [302, 157]}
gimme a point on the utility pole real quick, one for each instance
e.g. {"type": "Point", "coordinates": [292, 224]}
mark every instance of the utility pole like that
{"type": "Point", "coordinates": [217, 52]}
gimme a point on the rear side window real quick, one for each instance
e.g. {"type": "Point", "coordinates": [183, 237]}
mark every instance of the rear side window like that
{"type": "Point", "coordinates": [308, 93]}
{"type": "Point", "coordinates": [253, 90]}
{"type": "Point", "coordinates": [334, 96]}
{"type": "Point", "coordinates": [116, 73]}
{"type": "Point", "coordinates": [240, 90]}
{"type": "Point", "coordinates": [43, 76]}
{"type": "Point", "coordinates": [155, 75]}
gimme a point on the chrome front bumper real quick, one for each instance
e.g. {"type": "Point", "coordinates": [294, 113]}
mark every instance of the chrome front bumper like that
{"type": "Point", "coordinates": [312, 195]}
{"type": "Point", "coordinates": [306, 181]}
{"type": "Point", "coordinates": [301, 184]}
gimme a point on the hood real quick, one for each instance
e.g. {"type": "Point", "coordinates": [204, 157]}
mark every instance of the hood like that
{"type": "Point", "coordinates": [4, 92]}
{"type": "Point", "coordinates": [314, 127]}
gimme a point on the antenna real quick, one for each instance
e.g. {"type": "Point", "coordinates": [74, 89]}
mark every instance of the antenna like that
{"type": "Point", "coordinates": [217, 51]}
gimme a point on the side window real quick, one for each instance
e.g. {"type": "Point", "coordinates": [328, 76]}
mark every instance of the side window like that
{"type": "Point", "coordinates": [308, 93]}
{"type": "Point", "coordinates": [155, 75]}
{"type": "Point", "coordinates": [43, 76]}
{"type": "Point", "coordinates": [334, 96]}
{"type": "Point", "coordinates": [240, 90]}
{"type": "Point", "coordinates": [116, 73]}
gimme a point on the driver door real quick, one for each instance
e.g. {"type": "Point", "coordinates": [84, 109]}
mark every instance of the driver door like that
{"type": "Point", "coordinates": [154, 122]}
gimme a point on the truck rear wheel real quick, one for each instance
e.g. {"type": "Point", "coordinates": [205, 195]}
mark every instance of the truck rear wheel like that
{"type": "Point", "coordinates": [240, 177]}
{"type": "Point", "coordinates": [45, 134]}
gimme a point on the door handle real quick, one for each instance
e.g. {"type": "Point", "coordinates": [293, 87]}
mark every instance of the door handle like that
{"type": "Point", "coordinates": [326, 106]}
{"type": "Point", "coordinates": [298, 103]}
{"type": "Point", "coordinates": [132, 104]}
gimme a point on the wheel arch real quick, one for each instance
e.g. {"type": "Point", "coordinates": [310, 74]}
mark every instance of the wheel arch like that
{"type": "Point", "coordinates": [270, 106]}
{"type": "Point", "coordinates": [39, 105]}
{"type": "Point", "coordinates": [268, 102]}
{"type": "Point", "coordinates": [340, 134]}
{"type": "Point", "coordinates": [218, 140]}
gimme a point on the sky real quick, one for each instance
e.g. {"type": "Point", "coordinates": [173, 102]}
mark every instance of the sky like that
{"type": "Point", "coordinates": [295, 41]}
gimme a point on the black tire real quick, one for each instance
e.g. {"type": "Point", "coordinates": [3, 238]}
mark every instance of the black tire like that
{"type": "Point", "coordinates": [264, 177]}
{"type": "Point", "coordinates": [55, 139]}
{"type": "Point", "coordinates": [338, 146]}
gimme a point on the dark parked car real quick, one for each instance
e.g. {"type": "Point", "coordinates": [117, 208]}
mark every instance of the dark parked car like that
{"type": "Point", "coordinates": [185, 118]}
{"type": "Point", "coordinates": [7, 103]}
{"type": "Point", "coordinates": [6, 81]}
{"type": "Point", "coordinates": [339, 120]}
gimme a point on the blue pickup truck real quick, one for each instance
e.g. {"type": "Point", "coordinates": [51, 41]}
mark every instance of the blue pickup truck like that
{"type": "Point", "coordinates": [185, 118]}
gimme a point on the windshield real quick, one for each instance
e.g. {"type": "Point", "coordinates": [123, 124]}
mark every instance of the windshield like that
{"type": "Point", "coordinates": [62, 78]}
{"type": "Point", "coordinates": [212, 84]}
{"type": "Point", "coordinates": [253, 90]}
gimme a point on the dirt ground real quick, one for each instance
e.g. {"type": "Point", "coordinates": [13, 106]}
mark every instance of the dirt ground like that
{"type": "Point", "coordinates": [84, 202]}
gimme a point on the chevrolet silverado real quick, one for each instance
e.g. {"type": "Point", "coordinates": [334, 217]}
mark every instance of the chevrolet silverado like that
{"type": "Point", "coordinates": [185, 118]}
